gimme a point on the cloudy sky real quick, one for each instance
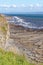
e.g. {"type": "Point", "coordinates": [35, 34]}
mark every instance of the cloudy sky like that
{"type": "Point", "coordinates": [7, 6]}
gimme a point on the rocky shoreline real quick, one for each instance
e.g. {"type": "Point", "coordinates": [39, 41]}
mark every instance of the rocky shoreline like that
{"type": "Point", "coordinates": [27, 42]}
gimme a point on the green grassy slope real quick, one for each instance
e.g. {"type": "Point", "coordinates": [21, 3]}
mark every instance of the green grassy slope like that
{"type": "Point", "coordinates": [9, 58]}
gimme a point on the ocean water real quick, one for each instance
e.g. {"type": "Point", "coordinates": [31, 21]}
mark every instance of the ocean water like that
{"type": "Point", "coordinates": [28, 20]}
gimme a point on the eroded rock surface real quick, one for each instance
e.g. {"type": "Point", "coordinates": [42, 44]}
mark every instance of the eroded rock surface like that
{"type": "Point", "coordinates": [28, 42]}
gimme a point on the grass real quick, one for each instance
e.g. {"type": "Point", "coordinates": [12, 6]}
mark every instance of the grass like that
{"type": "Point", "coordinates": [3, 29]}
{"type": "Point", "coordinates": [9, 58]}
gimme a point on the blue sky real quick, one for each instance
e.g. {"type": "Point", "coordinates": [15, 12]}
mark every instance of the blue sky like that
{"type": "Point", "coordinates": [11, 6]}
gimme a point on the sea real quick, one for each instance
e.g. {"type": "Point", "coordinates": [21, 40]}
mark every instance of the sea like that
{"type": "Point", "coordinates": [34, 21]}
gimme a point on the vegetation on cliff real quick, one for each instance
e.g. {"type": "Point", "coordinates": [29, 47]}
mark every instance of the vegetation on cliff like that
{"type": "Point", "coordinates": [9, 58]}
{"type": "Point", "coordinates": [3, 24]}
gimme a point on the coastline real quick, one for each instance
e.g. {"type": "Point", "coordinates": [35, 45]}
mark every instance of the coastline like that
{"type": "Point", "coordinates": [23, 41]}
{"type": "Point", "coordinates": [28, 42]}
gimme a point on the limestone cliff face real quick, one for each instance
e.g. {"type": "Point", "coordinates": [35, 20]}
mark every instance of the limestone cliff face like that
{"type": "Point", "coordinates": [6, 42]}
{"type": "Point", "coordinates": [3, 30]}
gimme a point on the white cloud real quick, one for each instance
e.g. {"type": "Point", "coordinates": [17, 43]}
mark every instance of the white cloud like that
{"type": "Point", "coordinates": [7, 6]}
{"type": "Point", "coordinates": [14, 6]}
{"type": "Point", "coordinates": [4, 5]}
{"type": "Point", "coordinates": [38, 5]}
{"type": "Point", "coordinates": [35, 6]}
{"type": "Point", "coordinates": [23, 5]}
{"type": "Point", "coordinates": [31, 5]}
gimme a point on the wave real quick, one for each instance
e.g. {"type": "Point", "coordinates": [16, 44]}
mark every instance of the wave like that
{"type": "Point", "coordinates": [20, 21]}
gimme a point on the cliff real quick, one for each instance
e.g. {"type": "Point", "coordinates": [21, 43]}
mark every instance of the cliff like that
{"type": "Point", "coordinates": [21, 41]}
{"type": "Point", "coordinates": [6, 42]}
{"type": "Point", "coordinates": [3, 30]}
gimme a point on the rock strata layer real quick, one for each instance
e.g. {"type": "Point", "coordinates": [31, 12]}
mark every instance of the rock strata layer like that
{"type": "Point", "coordinates": [27, 42]}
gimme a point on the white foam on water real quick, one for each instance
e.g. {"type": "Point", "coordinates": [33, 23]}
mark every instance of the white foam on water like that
{"type": "Point", "coordinates": [21, 22]}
